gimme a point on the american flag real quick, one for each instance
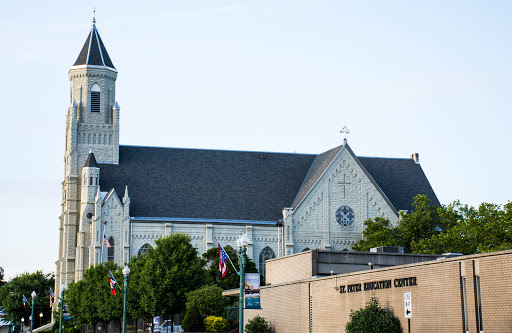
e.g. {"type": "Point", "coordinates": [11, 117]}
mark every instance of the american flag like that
{"type": "Point", "coordinates": [112, 283]}
{"type": "Point", "coordinates": [223, 257]}
{"type": "Point", "coordinates": [25, 301]}
{"type": "Point", "coordinates": [52, 297]}
{"type": "Point", "coordinates": [105, 240]}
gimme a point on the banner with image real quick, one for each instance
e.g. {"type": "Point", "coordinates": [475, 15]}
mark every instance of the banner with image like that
{"type": "Point", "coordinates": [252, 291]}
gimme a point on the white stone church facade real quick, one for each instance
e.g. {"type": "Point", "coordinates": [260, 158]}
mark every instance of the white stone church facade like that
{"type": "Point", "coordinates": [286, 203]}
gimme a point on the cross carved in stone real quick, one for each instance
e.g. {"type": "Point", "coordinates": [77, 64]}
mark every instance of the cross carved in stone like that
{"type": "Point", "coordinates": [344, 184]}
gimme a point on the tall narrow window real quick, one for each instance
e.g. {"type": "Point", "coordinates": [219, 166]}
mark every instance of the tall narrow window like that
{"type": "Point", "coordinates": [110, 251]}
{"type": "Point", "coordinates": [266, 253]}
{"type": "Point", "coordinates": [95, 98]}
{"type": "Point", "coordinates": [478, 300]}
{"type": "Point", "coordinates": [464, 304]}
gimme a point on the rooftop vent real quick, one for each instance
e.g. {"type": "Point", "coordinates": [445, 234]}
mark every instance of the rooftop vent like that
{"type": "Point", "coordinates": [416, 158]}
{"type": "Point", "coordinates": [387, 249]}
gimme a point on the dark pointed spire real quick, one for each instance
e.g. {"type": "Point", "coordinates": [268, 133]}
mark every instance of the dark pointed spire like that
{"type": "Point", "coordinates": [94, 52]}
{"type": "Point", "coordinates": [91, 161]}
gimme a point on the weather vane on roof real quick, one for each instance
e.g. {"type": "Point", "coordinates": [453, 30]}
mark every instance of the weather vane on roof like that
{"type": "Point", "coordinates": [345, 131]}
{"type": "Point", "coordinates": [94, 17]}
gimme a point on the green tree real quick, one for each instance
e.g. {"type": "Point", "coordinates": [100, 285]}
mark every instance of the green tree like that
{"type": "Point", "coordinates": [208, 301]}
{"type": "Point", "coordinates": [170, 271]}
{"type": "Point", "coordinates": [232, 279]}
{"type": "Point", "coordinates": [134, 308]}
{"type": "Point", "coordinates": [11, 296]}
{"type": "Point", "coordinates": [258, 325]}
{"type": "Point", "coordinates": [373, 319]}
{"type": "Point", "coordinates": [488, 228]}
{"type": "Point", "coordinates": [423, 222]}
{"type": "Point", "coordinates": [2, 282]}
{"type": "Point", "coordinates": [379, 232]}
{"type": "Point", "coordinates": [90, 300]}
{"type": "Point", "coordinates": [193, 321]}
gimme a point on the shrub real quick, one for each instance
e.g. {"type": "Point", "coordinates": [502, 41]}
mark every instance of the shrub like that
{"type": "Point", "coordinates": [258, 325]}
{"type": "Point", "coordinates": [193, 321]}
{"type": "Point", "coordinates": [373, 319]}
{"type": "Point", "coordinates": [216, 324]}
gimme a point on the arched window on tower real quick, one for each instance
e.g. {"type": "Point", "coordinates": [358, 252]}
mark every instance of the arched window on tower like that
{"type": "Point", "coordinates": [110, 251]}
{"type": "Point", "coordinates": [95, 98]}
{"type": "Point", "coordinates": [144, 249]}
{"type": "Point", "coordinates": [85, 180]}
{"type": "Point", "coordinates": [266, 254]}
{"type": "Point", "coordinates": [90, 180]}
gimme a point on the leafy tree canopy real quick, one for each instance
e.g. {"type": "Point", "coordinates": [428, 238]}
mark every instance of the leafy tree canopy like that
{"type": "Point", "coordinates": [448, 228]}
{"type": "Point", "coordinates": [11, 296]}
{"type": "Point", "coordinates": [2, 282]}
{"type": "Point", "coordinates": [90, 299]}
{"type": "Point", "coordinates": [232, 279]}
{"type": "Point", "coordinates": [169, 272]}
{"type": "Point", "coordinates": [207, 300]}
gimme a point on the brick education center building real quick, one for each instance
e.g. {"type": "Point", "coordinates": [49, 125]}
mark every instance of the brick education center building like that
{"type": "Point", "coordinates": [458, 294]}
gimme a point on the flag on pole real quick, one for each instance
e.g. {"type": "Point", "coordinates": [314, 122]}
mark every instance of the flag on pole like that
{"type": "Point", "coordinates": [113, 283]}
{"type": "Point", "coordinates": [223, 257]}
{"type": "Point", "coordinates": [52, 297]}
{"type": "Point", "coordinates": [25, 301]}
{"type": "Point", "coordinates": [105, 240]}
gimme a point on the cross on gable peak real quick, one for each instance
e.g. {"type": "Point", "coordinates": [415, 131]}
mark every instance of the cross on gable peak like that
{"type": "Point", "coordinates": [344, 130]}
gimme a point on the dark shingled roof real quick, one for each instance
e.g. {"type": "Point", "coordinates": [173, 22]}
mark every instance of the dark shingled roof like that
{"type": "Point", "coordinates": [214, 184]}
{"type": "Point", "coordinates": [240, 185]}
{"type": "Point", "coordinates": [91, 161]}
{"type": "Point", "coordinates": [94, 52]}
{"type": "Point", "coordinates": [321, 162]}
{"type": "Point", "coordinates": [401, 179]}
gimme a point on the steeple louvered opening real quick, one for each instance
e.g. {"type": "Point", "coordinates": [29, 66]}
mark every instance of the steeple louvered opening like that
{"type": "Point", "coordinates": [95, 98]}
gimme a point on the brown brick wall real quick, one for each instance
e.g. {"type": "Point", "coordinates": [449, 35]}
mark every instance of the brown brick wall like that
{"type": "Point", "coordinates": [291, 268]}
{"type": "Point", "coordinates": [436, 299]}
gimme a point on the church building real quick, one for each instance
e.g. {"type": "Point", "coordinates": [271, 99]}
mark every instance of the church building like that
{"type": "Point", "coordinates": [117, 200]}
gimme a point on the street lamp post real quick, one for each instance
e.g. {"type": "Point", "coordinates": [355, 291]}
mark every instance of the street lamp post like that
{"type": "Point", "coordinates": [62, 287]}
{"type": "Point", "coordinates": [126, 272]}
{"type": "Point", "coordinates": [242, 243]}
{"type": "Point", "coordinates": [22, 322]}
{"type": "Point", "coordinates": [33, 305]}
{"type": "Point", "coordinates": [40, 319]}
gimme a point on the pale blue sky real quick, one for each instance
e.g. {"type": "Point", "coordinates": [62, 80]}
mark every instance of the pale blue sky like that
{"type": "Point", "coordinates": [432, 77]}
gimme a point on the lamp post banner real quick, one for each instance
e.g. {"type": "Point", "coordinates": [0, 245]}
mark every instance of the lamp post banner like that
{"type": "Point", "coordinates": [252, 291]}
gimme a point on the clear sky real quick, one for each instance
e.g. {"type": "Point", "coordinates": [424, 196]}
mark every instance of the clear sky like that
{"type": "Point", "coordinates": [432, 77]}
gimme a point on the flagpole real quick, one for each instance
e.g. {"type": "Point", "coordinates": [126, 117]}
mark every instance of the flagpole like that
{"type": "Point", "coordinates": [102, 241]}
{"type": "Point", "coordinates": [233, 266]}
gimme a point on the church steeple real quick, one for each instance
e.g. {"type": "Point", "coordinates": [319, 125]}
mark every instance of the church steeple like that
{"type": "Point", "coordinates": [94, 51]}
{"type": "Point", "coordinates": [96, 125]}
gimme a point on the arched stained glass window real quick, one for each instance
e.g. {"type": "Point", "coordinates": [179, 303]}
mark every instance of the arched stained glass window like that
{"type": "Point", "coordinates": [144, 249]}
{"type": "Point", "coordinates": [110, 251]}
{"type": "Point", "coordinates": [266, 254]}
